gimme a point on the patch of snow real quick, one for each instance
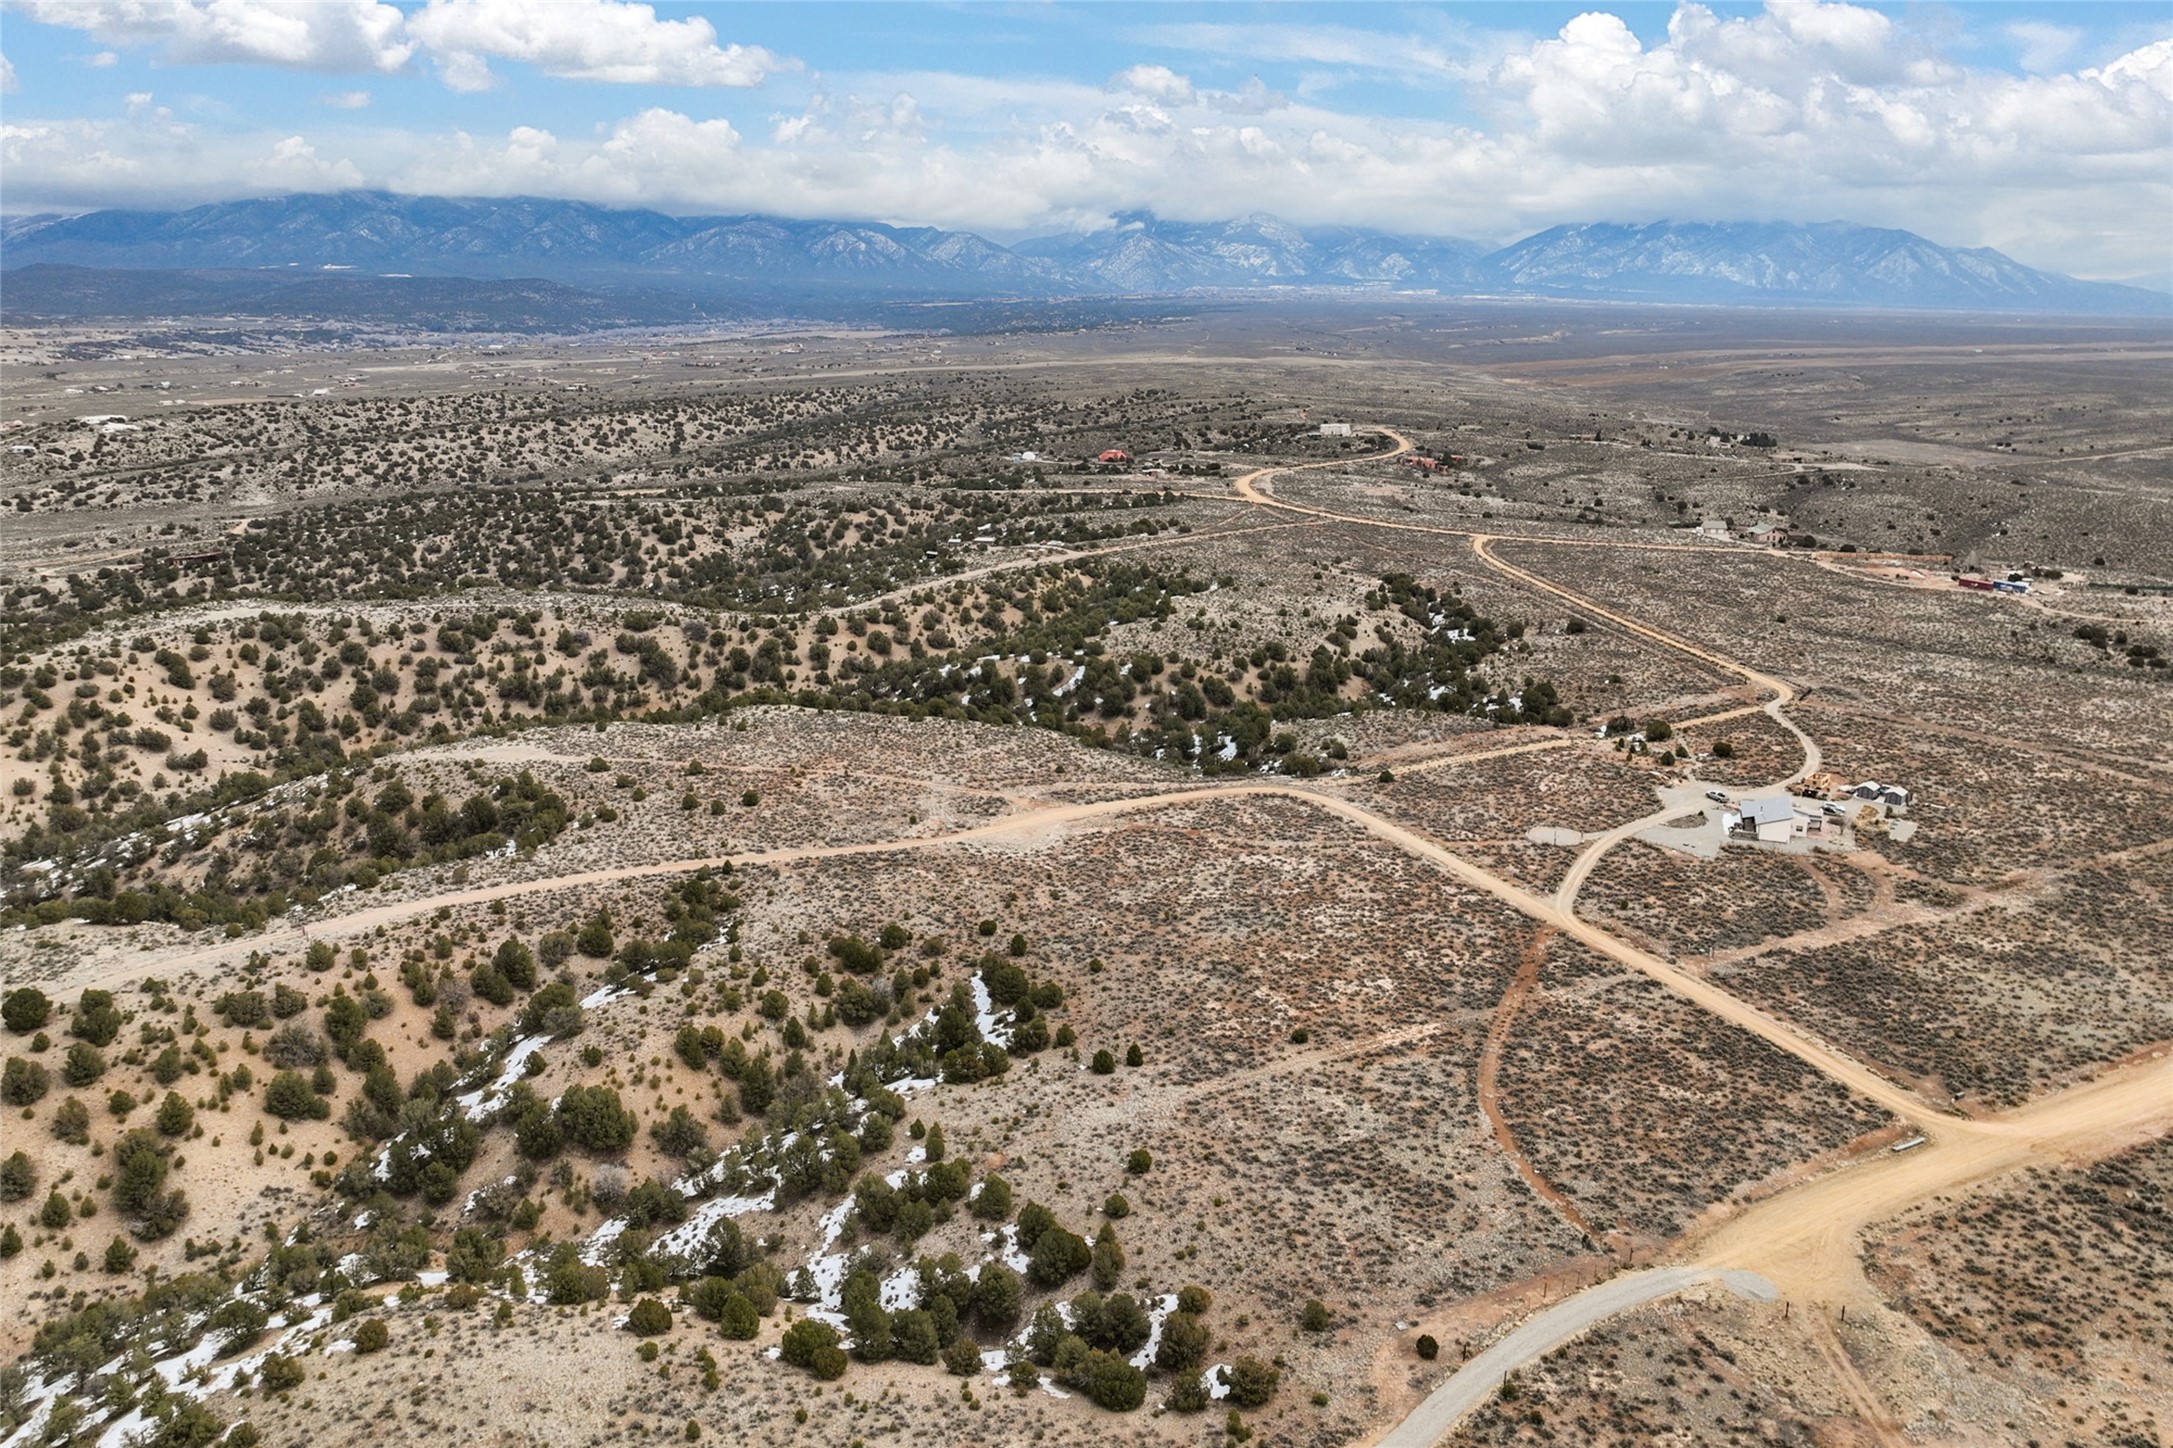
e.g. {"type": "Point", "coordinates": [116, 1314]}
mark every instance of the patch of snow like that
{"type": "Point", "coordinates": [1158, 1312]}
{"type": "Point", "coordinates": [480, 1103]}
{"type": "Point", "coordinates": [901, 1290]}
{"type": "Point", "coordinates": [174, 1369]}
{"type": "Point", "coordinates": [123, 1431]}
{"type": "Point", "coordinates": [688, 1235]}
{"type": "Point", "coordinates": [984, 1013]}
{"type": "Point", "coordinates": [1218, 1387]}
{"type": "Point", "coordinates": [468, 1205]}
{"type": "Point", "coordinates": [592, 1251]}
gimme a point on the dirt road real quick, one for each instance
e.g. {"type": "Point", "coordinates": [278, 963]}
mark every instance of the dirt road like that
{"type": "Point", "coordinates": [1476, 1381]}
{"type": "Point", "coordinates": [1043, 560]}
{"type": "Point", "coordinates": [1802, 1243]}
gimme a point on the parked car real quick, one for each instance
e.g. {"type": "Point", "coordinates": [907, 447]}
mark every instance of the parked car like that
{"type": "Point", "coordinates": [1717, 796]}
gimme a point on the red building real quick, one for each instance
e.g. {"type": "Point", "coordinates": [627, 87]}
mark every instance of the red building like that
{"type": "Point", "coordinates": [1114, 455]}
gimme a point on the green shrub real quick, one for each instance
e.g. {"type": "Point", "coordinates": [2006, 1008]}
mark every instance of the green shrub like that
{"type": "Point", "coordinates": [594, 1119]}
{"type": "Point", "coordinates": [175, 1115]}
{"type": "Point", "coordinates": [1252, 1382]}
{"type": "Point", "coordinates": [289, 1097]}
{"type": "Point", "coordinates": [25, 1009]}
{"type": "Point", "coordinates": [962, 1358]}
{"type": "Point", "coordinates": [814, 1346]}
{"type": "Point", "coordinates": [280, 1373]}
{"type": "Point", "coordinates": [1111, 1382]}
{"type": "Point", "coordinates": [1056, 1257]}
{"type": "Point", "coordinates": [83, 1064]}
{"type": "Point", "coordinates": [23, 1082]}
{"type": "Point", "coordinates": [649, 1318]}
{"type": "Point", "coordinates": [1184, 1343]}
{"type": "Point", "coordinates": [18, 1177]}
{"type": "Point", "coordinates": [992, 1203]}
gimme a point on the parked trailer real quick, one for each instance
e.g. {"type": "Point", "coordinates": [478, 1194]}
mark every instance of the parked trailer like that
{"type": "Point", "coordinates": [1910, 1145]}
{"type": "Point", "coordinates": [1982, 585]}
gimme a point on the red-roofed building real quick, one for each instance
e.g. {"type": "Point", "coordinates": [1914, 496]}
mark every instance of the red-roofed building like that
{"type": "Point", "coordinates": [1114, 455]}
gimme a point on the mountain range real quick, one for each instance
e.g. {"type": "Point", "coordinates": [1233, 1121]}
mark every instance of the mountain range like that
{"type": "Point", "coordinates": [751, 260]}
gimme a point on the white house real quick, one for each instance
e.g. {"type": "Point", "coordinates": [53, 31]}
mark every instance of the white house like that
{"type": "Point", "coordinates": [1335, 429]}
{"type": "Point", "coordinates": [1772, 820]}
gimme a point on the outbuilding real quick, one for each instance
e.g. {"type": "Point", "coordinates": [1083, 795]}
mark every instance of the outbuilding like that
{"type": "Point", "coordinates": [1114, 455]}
{"type": "Point", "coordinates": [1887, 796]}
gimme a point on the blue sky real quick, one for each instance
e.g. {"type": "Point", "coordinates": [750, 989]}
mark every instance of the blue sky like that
{"type": "Point", "coordinates": [2043, 129]}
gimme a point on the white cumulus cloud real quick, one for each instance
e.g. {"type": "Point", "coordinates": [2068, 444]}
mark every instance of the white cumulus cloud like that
{"type": "Point", "coordinates": [1156, 83]}
{"type": "Point", "coordinates": [333, 35]}
{"type": "Point", "coordinates": [2042, 46]}
{"type": "Point", "coordinates": [616, 41]}
{"type": "Point", "coordinates": [600, 40]}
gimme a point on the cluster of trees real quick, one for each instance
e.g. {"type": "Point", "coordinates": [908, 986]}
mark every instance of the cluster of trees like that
{"type": "Point", "coordinates": [945, 1303]}
{"type": "Point", "coordinates": [142, 1159]}
{"type": "Point", "coordinates": [339, 834]}
{"type": "Point", "coordinates": [805, 551]}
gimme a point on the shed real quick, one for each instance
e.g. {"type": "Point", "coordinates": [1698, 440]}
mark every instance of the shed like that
{"type": "Point", "coordinates": [1889, 796]}
{"type": "Point", "coordinates": [1114, 455]}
